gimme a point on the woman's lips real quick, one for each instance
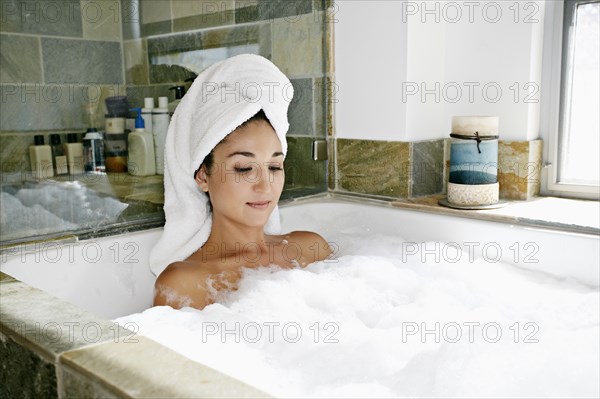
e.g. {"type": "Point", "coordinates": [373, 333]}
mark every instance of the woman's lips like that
{"type": "Point", "coordinates": [259, 204]}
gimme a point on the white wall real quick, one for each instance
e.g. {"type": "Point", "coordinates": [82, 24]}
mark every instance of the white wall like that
{"type": "Point", "coordinates": [404, 68]}
{"type": "Point", "coordinates": [370, 60]}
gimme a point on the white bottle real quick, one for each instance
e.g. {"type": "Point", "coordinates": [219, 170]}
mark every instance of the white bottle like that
{"type": "Point", "coordinates": [40, 156]}
{"type": "Point", "coordinates": [160, 125]}
{"type": "Point", "coordinates": [147, 114]}
{"type": "Point", "coordinates": [140, 160]}
{"type": "Point", "coordinates": [74, 151]}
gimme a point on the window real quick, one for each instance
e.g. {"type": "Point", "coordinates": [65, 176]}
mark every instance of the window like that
{"type": "Point", "coordinates": [573, 167]}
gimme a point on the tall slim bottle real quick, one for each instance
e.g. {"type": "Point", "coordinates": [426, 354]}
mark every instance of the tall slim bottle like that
{"type": "Point", "coordinates": [160, 125]}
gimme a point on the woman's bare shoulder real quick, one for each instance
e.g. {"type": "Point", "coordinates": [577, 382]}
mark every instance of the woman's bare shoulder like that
{"type": "Point", "coordinates": [314, 247]}
{"type": "Point", "coordinates": [180, 285]}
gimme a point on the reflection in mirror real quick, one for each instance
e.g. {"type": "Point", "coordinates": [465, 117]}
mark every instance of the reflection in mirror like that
{"type": "Point", "coordinates": [139, 49]}
{"type": "Point", "coordinates": [198, 60]}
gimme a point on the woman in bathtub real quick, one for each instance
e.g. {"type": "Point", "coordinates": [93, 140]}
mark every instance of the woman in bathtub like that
{"type": "Point", "coordinates": [218, 210]}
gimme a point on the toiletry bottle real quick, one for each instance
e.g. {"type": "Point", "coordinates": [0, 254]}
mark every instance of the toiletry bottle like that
{"type": "Point", "coordinates": [59, 157]}
{"type": "Point", "coordinates": [160, 123]}
{"type": "Point", "coordinates": [147, 114]}
{"type": "Point", "coordinates": [40, 156]}
{"type": "Point", "coordinates": [140, 157]}
{"type": "Point", "coordinates": [93, 152]}
{"type": "Point", "coordinates": [74, 151]}
{"type": "Point", "coordinates": [179, 93]}
{"type": "Point", "coordinates": [115, 144]}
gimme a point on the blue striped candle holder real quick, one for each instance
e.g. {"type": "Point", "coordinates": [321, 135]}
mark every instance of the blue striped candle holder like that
{"type": "Point", "coordinates": [473, 162]}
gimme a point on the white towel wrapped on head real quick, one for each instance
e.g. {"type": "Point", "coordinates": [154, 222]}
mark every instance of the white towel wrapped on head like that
{"type": "Point", "coordinates": [222, 97]}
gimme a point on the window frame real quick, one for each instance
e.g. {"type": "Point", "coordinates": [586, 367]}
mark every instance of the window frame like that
{"type": "Point", "coordinates": [555, 61]}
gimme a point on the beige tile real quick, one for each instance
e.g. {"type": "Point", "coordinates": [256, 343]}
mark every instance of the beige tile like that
{"type": "Point", "coordinates": [513, 160]}
{"type": "Point", "coordinates": [101, 20]}
{"type": "Point", "coordinates": [144, 368]}
{"type": "Point", "coordinates": [331, 100]}
{"type": "Point", "coordinates": [156, 10]}
{"type": "Point", "coordinates": [186, 8]}
{"type": "Point", "coordinates": [298, 45]}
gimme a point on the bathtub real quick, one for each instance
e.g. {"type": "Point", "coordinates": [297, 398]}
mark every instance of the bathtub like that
{"type": "Point", "coordinates": [101, 279]}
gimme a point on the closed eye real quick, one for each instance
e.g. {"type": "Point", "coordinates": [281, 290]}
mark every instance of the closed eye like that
{"type": "Point", "coordinates": [242, 170]}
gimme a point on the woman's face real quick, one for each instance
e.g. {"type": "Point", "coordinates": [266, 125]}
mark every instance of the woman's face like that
{"type": "Point", "coordinates": [247, 176]}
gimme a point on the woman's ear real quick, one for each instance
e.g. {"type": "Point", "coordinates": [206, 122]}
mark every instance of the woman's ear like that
{"type": "Point", "coordinates": [201, 179]}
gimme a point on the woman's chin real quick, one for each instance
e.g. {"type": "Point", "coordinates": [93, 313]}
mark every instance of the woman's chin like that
{"type": "Point", "coordinates": [258, 219]}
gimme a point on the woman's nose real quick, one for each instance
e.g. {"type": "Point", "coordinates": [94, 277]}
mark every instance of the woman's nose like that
{"type": "Point", "coordinates": [263, 183]}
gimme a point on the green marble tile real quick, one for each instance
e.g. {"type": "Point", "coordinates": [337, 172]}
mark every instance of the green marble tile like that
{"type": "Point", "coordinates": [231, 36]}
{"type": "Point", "coordinates": [14, 152]}
{"type": "Point", "coordinates": [135, 57]}
{"type": "Point", "coordinates": [272, 9]}
{"type": "Point", "coordinates": [320, 5]}
{"type": "Point", "coordinates": [96, 61]}
{"type": "Point", "coordinates": [165, 73]}
{"type": "Point", "coordinates": [265, 41]}
{"type": "Point", "coordinates": [331, 165]}
{"type": "Point", "coordinates": [298, 45]}
{"type": "Point", "coordinates": [427, 167]}
{"type": "Point", "coordinates": [25, 374]}
{"type": "Point", "coordinates": [12, 20]}
{"type": "Point", "coordinates": [320, 107]}
{"type": "Point", "coordinates": [100, 20]}
{"type": "Point", "coordinates": [42, 17]}
{"type": "Point", "coordinates": [139, 20]}
{"type": "Point", "coordinates": [20, 60]}
{"type": "Point", "coordinates": [246, 11]}
{"type": "Point", "coordinates": [301, 111]}
{"type": "Point", "coordinates": [374, 167]}
{"type": "Point", "coordinates": [300, 169]}
{"type": "Point", "coordinates": [174, 43]}
{"type": "Point", "coordinates": [202, 21]}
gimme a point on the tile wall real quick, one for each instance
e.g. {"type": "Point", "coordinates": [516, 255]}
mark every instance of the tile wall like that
{"type": "Point", "coordinates": [420, 168]}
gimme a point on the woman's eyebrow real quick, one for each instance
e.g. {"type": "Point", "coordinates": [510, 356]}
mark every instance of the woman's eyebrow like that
{"type": "Point", "coordinates": [244, 153]}
{"type": "Point", "coordinates": [251, 155]}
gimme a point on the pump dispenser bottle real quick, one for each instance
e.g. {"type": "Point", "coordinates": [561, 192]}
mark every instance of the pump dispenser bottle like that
{"type": "Point", "coordinates": [141, 160]}
{"type": "Point", "coordinates": [40, 156]}
{"type": "Point", "coordinates": [179, 93]}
